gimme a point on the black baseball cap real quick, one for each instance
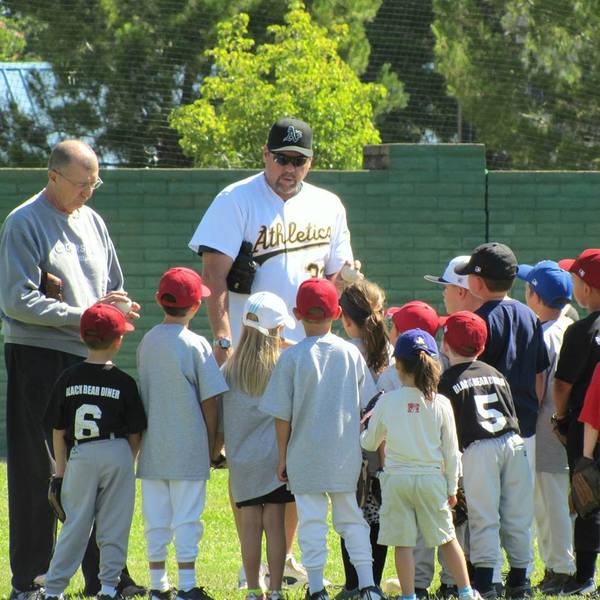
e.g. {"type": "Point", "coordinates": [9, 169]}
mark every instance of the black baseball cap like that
{"type": "Point", "coordinates": [290, 134]}
{"type": "Point", "coordinates": [492, 260]}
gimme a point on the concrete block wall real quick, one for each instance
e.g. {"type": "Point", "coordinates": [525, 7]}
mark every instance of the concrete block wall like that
{"type": "Point", "coordinates": [410, 210]}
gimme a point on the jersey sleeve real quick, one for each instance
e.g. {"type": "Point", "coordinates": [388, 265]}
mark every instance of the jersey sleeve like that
{"type": "Point", "coordinates": [340, 249]}
{"type": "Point", "coordinates": [590, 413]}
{"type": "Point", "coordinates": [135, 415]}
{"type": "Point", "coordinates": [450, 446]}
{"type": "Point", "coordinates": [573, 356]}
{"type": "Point", "coordinates": [221, 227]}
{"type": "Point", "coordinates": [278, 399]}
{"type": "Point", "coordinates": [210, 378]}
{"type": "Point", "coordinates": [542, 359]}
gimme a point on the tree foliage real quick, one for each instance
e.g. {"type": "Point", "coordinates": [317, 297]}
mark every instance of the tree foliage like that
{"type": "Point", "coordinates": [299, 73]}
{"type": "Point", "coordinates": [121, 66]}
{"type": "Point", "coordinates": [526, 76]}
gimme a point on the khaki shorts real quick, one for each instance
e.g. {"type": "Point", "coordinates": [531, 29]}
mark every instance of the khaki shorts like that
{"type": "Point", "coordinates": [411, 501]}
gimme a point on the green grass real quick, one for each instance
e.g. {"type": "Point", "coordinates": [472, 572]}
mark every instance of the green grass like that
{"type": "Point", "coordinates": [219, 557]}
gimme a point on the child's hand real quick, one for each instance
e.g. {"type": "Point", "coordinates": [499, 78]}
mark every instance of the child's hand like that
{"type": "Point", "coordinates": [452, 501]}
{"type": "Point", "coordinates": [281, 472]}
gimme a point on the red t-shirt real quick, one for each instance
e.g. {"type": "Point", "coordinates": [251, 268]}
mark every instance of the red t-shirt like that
{"type": "Point", "coordinates": [590, 413]}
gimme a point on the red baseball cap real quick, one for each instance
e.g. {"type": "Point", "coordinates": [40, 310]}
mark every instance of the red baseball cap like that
{"type": "Point", "coordinates": [185, 285]}
{"type": "Point", "coordinates": [465, 332]}
{"type": "Point", "coordinates": [320, 295]}
{"type": "Point", "coordinates": [102, 322]}
{"type": "Point", "coordinates": [586, 266]}
{"type": "Point", "coordinates": [416, 315]}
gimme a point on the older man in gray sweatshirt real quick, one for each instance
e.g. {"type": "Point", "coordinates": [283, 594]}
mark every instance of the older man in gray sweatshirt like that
{"type": "Point", "coordinates": [56, 260]}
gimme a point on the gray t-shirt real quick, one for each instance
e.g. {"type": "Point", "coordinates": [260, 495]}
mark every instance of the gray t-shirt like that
{"type": "Point", "coordinates": [251, 446]}
{"type": "Point", "coordinates": [319, 385]}
{"type": "Point", "coordinates": [76, 247]}
{"type": "Point", "coordinates": [550, 454]}
{"type": "Point", "coordinates": [177, 371]}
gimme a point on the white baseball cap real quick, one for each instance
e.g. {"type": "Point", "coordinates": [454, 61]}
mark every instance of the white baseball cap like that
{"type": "Point", "coordinates": [270, 310]}
{"type": "Point", "coordinates": [450, 277]}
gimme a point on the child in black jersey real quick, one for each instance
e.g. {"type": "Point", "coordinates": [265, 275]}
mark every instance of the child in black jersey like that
{"type": "Point", "coordinates": [579, 355]}
{"type": "Point", "coordinates": [496, 475]}
{"type": "Point", "coordinates": [97, 417]}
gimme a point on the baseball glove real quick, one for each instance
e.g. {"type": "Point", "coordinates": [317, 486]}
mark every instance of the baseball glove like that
{"type": "Point", "coordinates": [585, 487]}
{"type": "Point", "coordinates": [460, 513]}
{"type": "Point", "coordinates": [243, 269]}
{"type": "Point", "coordinates": [54, 488]}
{"type": "Point", "coordinates": [368, 410]}
{"type": "Point", "coordinates": [51, 286]}
{"type": "Point", "coordinates": [560, 426]}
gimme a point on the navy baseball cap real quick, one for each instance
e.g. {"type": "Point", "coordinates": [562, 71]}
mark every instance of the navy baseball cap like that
{"type": "Point", "coordinates": [292, 135]}
{"type": "Point", "coordinates": [551, 283]}
{"type": "Point", "coordinates": [413, 341]}
{"type": "Point", "coordinates": [492, 260]}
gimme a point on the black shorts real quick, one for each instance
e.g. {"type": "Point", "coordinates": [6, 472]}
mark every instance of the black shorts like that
{"type": "Point", "coordinates": [281, 495]}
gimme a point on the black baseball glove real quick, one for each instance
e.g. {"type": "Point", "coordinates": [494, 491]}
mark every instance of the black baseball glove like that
{"type": "Point", "coordinates": [585, 487]}
{"type": "Point", "coordinates": [460, 512]}
{"type": "Point", "coordinates": [54, 489]}
{"type": "Point", "coordinates": [243, 269]}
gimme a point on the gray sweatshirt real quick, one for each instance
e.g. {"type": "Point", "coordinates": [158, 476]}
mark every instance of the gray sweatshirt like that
{"type": "Point", "coordinates": [37, 237]}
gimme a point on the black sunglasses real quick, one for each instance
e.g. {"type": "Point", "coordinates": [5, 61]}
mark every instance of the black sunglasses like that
{"type": "Point", "coordinates": [284, 159]}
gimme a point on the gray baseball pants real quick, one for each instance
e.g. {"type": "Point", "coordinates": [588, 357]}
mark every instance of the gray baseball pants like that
{"type": "Point", "coordinates": [99, 484]}
{"type": "Point", "coordinates": [499, 490]}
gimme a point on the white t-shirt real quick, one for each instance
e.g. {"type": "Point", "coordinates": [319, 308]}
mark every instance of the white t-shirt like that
{"type": "Point", "coordinates": [319, 385]}
{"type": "Point", "coordinates": [420, 435]}
{"type": "Point", "coordinates": [294, 240]}
{"type": "Point", "coordinates": [177, 371]}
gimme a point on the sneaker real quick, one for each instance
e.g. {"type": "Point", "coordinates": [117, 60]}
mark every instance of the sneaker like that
{"type": "Point", "coordinates": [35, 593]}
{"type": "Point", "coordinates": [253, 595]}
{"type": "Point", "coordinates": [516, 592]}
{"type": "Point", "coordinates": [322, 595]}
{"type": "Point", "coordinates": [573, 588]}
{"type": "Point", "coordinates": [490, 594]}
{"type": "Point", "coordinates": [371, 592]}
{"type": "Point", "coordinates": [158, 595]}
{"type": "Point", "coordinates": [294, 572]}
{"type": "Point", "coordinates": [499, 587]}
{"type": "Point", "coordinates": [275, 595]}
{"type": "Point", "coordinates": [553, 584]}
{"type": "Point", "coordinates": [421, 593]}
{"type": "Point", "coordinates": [196, 593]}
{"type": "Point", "coordinates": [446, 591]}
{"type": "Point", "coordinates": [128, 588]}
{"type": "Point", "coordinates": [46, 597]}
{"type": "Point", "coordinates": [345, 594]}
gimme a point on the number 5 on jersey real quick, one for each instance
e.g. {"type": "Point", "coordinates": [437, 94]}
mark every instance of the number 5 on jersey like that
{"type": "Point", "coordinates": [490, 419]}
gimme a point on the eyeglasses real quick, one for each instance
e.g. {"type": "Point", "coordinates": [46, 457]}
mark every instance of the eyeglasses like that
{"type": "Point", "coordinates": [82, 185]}
{"type": "Point", "coordinates": [284, 159]}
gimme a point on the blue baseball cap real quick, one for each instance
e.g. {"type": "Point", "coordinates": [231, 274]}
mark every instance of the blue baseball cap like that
{"type": "Point", "coordinates": [413, 341]}
{"type": "Point", "coordinates": [551, 283]}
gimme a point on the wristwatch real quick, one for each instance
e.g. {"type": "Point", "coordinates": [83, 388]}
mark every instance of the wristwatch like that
{"type": "Point", "coordinates": [223, 343]}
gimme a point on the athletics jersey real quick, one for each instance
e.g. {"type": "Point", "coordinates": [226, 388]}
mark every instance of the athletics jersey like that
{"type": "Point", "coordinates": [92, 401]}
{"type": "Point", "coordinates": [481, 399]}
{"type": "Point", "coordinates": [292, 241]}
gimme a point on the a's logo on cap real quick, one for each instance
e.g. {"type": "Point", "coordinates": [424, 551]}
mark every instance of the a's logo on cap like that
{"type": "Point", "coordinates": [293, 135]}
{"type": "Point", "coordinates": [534, 282]}
{"type": "Point", "coordinates": [477, 269]}
{"type": "Point", "coordinates": [581, 272]}
{"type": "Point", "coordinates": [420, 341]}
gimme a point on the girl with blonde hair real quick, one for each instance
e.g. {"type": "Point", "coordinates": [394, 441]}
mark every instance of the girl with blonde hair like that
{"type": "Point", "coordinates": [250, 441]}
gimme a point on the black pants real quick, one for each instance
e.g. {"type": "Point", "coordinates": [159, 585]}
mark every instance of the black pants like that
{"type": "Point", "coordinates": [379, 554]}
{"type": "Point", "coordinates": [31, 373]}
{"type": "Point", "coordinates": [587, 531]}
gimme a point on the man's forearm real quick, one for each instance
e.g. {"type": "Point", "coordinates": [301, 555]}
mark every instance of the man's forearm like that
{"type": "Point", "coordinates": [217, 308]}
{"type": "Point", "coordinates": [561, 393]}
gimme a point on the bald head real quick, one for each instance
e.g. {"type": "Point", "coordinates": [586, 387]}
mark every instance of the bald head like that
{"type": "Point", "coordinates": [68, 152]}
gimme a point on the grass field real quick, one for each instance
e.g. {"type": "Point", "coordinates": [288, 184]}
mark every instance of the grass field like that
{"type": "Point", "coordinates": [219, 558]}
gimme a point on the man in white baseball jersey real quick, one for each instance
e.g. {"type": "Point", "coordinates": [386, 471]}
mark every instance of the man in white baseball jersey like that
{"type": "Point", "coordinates": [296, 230]}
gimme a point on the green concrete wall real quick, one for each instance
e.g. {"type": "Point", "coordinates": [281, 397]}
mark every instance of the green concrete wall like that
{"type": "Point", "coordinates": [421, 207]}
